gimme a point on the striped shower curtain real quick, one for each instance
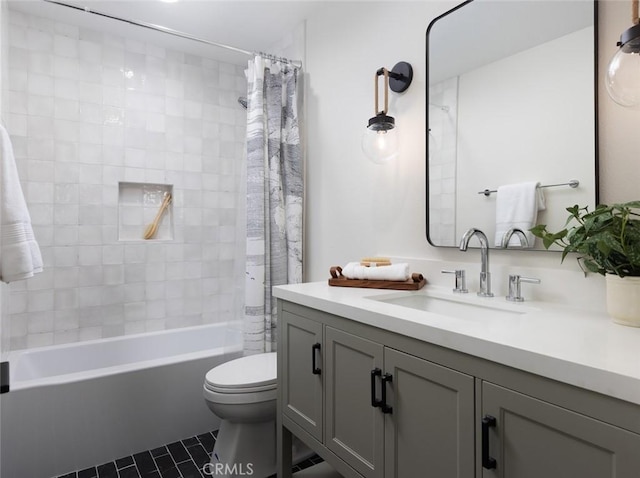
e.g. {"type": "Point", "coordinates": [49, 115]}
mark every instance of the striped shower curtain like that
{"type": "Point", "coordinates": [274, 196]}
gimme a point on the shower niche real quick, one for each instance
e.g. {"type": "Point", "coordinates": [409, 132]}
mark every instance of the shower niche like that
{"type": "Point", "coordinates": [145, 212]}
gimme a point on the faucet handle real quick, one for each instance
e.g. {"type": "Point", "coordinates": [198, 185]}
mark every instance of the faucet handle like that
{"type": "Point", "coordinates": [514, 286]}
{"type": "Point", "coordinates": [461, 281]}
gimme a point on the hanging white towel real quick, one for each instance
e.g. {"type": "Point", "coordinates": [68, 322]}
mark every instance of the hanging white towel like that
{"type": "Point", "coordinates": [517, 205]}
{"type": "Point", "coordinates": [20, 256]}
{"type": "Point", "coordinates": [393, 272]}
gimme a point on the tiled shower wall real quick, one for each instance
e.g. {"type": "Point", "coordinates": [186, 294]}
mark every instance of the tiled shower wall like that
{"type": "Point", "coordinates": [87, 110]}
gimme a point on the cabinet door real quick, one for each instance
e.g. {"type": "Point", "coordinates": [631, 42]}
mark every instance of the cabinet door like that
{"type": "Point", "coordinates": [533, 439]}
{"type": "Point", "coordinates": [301, 349]}
{"type": "Point", "coordinates": [430, 432]}
{"type": "Point", "coordinates": [353, 427]}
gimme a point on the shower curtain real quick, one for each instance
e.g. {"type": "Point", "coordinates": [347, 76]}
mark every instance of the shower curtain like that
{"type": "Point", "coordinates": [274, 196]}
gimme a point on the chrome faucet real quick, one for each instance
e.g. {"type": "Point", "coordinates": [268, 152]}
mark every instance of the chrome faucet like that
{"type": "Point", "coordinates": [524, 242]}
{"type": "Point", "coordinates": [485, 275]}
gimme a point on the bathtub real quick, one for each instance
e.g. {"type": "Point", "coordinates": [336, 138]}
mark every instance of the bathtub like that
{"type": "Point", "coordinates": [78, 405]}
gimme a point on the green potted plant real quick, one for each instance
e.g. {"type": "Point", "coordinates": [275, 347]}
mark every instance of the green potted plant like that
{"type": "Point", "coordinates": [607, 241]}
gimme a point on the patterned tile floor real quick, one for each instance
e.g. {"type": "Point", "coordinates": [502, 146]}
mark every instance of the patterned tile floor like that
{"type": "Point", "coordinates": [314, 460]}
{"type": "Point", "coordinates": [182, 459]}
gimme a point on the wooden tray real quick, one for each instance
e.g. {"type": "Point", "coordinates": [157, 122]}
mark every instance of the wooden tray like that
{"type": "Point", "coordinates": [416, 282]}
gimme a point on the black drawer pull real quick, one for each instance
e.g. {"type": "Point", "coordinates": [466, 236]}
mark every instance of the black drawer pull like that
{"type": "Point", "coordinates": [4, 377]}
{"type": "Point", "coordinates": [487, 462]}
{"type": "Point", "coordinates": [386, 378]}
{"type": "Point", "coordinates": [375, 403]}
{"type": "Point", "coordinates": [315, 370]}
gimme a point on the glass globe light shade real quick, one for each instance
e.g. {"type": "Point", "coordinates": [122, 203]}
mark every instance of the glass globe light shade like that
{"type": "Point", "coordinates": [623, 72]}
{"type": "Point", "coordinates": [380, 139]}
{"type": "Point", "coordinates": [380, 146]}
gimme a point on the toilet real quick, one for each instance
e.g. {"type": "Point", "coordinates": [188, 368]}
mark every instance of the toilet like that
{"type": "Point", "coordinates": [243, 393]}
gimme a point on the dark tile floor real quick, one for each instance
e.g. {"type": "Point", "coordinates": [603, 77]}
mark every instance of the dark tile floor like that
{"type": "Point", "coordinates": [314, 460]}
{"type": "Point", "coordinates": [182, 459]}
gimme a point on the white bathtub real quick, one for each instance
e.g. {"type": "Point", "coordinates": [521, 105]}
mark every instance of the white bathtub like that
{"type": "Point", "coordinates": [78, 405]}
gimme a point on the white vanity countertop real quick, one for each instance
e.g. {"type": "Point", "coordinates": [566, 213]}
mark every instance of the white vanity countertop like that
{"type": "Point", "coordinates": [578, 347]}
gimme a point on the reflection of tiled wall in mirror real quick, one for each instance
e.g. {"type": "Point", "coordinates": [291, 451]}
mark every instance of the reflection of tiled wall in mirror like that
{"type": "Point", "coordinates": [443, 99]}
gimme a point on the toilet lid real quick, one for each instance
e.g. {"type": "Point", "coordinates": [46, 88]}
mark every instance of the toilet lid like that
{"type": "Point", "coordinates": [246, 373]}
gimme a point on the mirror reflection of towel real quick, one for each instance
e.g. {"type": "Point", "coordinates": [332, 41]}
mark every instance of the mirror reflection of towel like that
{"type": "Point", "coordinates": [20, 256]}
{"type": "Point", "coordinates": [517, 205]}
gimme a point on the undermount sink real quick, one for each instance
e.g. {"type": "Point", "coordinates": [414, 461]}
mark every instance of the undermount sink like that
{"type": "Point", "coordinates": [463, 307]}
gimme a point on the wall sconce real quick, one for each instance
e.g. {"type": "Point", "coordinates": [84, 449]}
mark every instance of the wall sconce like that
{"type": "Point", "coordinates": [623, 72]}
{"type": "Point", "coordinates": [380, 140]}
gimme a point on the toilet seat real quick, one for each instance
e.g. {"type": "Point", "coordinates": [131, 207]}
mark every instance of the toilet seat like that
{"type": "Point", "coordinates": [246, 375]}
{"type": "Point", "coordinates": [240, 398]}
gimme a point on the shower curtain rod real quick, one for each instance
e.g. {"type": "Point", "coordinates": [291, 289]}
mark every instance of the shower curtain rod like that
{"type": "Point", "coordinates": [170, 31]}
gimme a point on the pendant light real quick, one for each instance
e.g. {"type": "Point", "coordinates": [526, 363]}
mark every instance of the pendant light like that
{"type": "Point", "coordinates": [380, 140]}
{"type": "Point", "coordinates": [623, 72]}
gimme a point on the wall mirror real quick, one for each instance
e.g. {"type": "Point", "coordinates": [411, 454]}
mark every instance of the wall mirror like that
{"type": "Point", "coordinates": [511, 98]}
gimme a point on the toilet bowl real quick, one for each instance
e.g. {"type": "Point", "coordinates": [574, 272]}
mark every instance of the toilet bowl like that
{"type": "Point", "coordinates": [243, 393]}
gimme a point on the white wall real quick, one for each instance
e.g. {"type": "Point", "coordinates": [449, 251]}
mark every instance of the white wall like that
{"type": "Point", "coordinates": [4, 329]}
{"type": "Point", "coordinates": [4, 47]}
{"type": "Point", "coordinates": [619, 138]}
{"type": "Point", "coordinates": [4, 50]}
{"type": "Point", "coordinates": [357, 208]}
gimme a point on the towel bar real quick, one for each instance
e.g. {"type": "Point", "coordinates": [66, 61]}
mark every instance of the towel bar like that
{"type": "Point", "coordinates": [574, 183]}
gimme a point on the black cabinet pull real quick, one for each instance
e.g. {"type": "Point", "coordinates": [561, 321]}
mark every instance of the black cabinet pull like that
{"type": "Point", "coordinates": [315, 370]}
{"type": "Point", "coordinates": [386, 378]}
{"type": "Point", "coordinates": [4, 377]}
{"type": "Point", "coordinates": [487, 462]}
{"type": "Point", "coordinates": [375, 403]}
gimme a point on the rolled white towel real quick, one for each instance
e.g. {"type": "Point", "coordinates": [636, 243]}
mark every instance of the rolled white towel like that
{"type": "Point", "coordinates": [394, 272]}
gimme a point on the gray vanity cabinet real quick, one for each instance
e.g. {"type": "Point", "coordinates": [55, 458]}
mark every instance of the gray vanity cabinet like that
{"type": "Point", "coordinates": [531, 438]}
{"type": "Point", "coordinates": [375, 404]}
{"type": "Point", "coordinates": [390, 414]}
{"type": "Point", "coordinates": [302, 391]}
{"type": "Point", "coordinates": [386, 413]}
{"type": "Point", "coordinates": [395, 415]}
{"type": "Point", "coordinates": [430, 430]}
{"type": "Point", "coordinates": [353, 427]}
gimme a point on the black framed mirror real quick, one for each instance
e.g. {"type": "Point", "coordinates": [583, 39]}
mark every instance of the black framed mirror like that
{"type": "Point", "coordinates": [511, 98]}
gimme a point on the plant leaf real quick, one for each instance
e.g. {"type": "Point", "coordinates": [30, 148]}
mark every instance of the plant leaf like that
{"type": "Point", "coordinates": [539, 230]}
{"type": "Point", "coordinates": [592, 266]}
{"type": "Point", "coordinates": [607, 239]}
